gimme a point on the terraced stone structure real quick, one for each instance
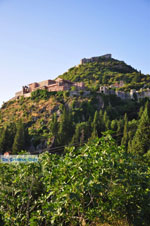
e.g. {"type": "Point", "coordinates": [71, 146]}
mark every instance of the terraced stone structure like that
{"type": "Point", "coordinates": [50, 85]}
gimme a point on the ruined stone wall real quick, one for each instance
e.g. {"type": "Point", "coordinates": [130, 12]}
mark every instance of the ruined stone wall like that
{"type": "Point", "coordinates": [46, 83]}
{"type": "Point", "coordinates": [94, 59]}
{"type": "Point", "coordinates": [20, 93]}
{"type": "Point", "coordinates": [32, 86]}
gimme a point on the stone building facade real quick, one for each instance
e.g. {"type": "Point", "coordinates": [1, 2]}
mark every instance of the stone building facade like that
{"type": "Point", "coordinates": [51, 85]}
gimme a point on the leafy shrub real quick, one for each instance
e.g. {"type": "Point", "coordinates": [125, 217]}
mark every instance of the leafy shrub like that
{"type": "Point", "coordinates": [96, 183]}
{"type": "Point", "coordinates": [41, 94]}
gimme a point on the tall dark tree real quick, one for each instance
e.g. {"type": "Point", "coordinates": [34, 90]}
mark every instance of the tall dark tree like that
{"type": "Point", "coordinates": [19, 141]}
{"type": "Point", "coordinates": [141, 140]}
{"type": "Point", "coordinates": [125, 140]}
{"type": "Point", "coordinates": [3, 141]}
{"type": "Point", "coordinates": [113, 125]}
{"type": "Point", "coordinates": [81, 133]}
{"type": "Point", "coordinates": [119, 133]}
{"type": "Point", "coordinates": [54, 125]}
{"type": "Point", "coordinates": [106, 120]}
{"type": "Point", "coordinates": [7, 138]}
{"type": "Point", "coordinates": [66, 128]}
{"type": "Point", "coordinates": [96, 125]}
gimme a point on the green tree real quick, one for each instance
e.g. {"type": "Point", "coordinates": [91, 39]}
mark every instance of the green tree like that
{"type": "Point", "coordinates": [7, 138]}
{"type": "Point", "coordinates": [120, 126]}
{"type": "Point", "coordinates": [114, 125]}
{"type": "Point", "coordinates": [141, 140]}
{"type": "Point", "coordinates": [54, 125]}
{"type": "Point", "coordinates": [3, 141]}
{"type": "Point", "coordinates": [19, 140]}
{"type": "Point", "coordinates": [66, 128]}
{"type": "Point", "coordinates": [81, 133]}
{"type": "Point", "coordinates": [96, 125]}
{"type": "Point", "coordinates": [124, 140]}
{"type": "Point", "coordinates": [106, 120]}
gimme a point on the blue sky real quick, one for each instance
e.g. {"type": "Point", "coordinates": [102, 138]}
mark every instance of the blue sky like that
{"type": "Point", "coordinates": [41, 39]}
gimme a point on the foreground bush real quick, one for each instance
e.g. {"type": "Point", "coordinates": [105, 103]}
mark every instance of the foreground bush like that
{"type": "Point", "coordinates": [97, 183]}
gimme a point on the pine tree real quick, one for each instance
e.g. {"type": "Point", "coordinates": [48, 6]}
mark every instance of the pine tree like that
{"type": "Point", "coordinates": [19, 141]}
{"type": "Point", "coordinates": [141, 140]}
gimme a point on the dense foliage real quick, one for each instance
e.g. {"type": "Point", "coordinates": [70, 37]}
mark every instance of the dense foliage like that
{"type": "Point", "coordinates": [96, 183]}
{"type": "Point", "coordinates": [107, 72]}
{"type": "Point", "coordinates": [94, 180]}
{"type": "Point", "coordinates": [78, 119]}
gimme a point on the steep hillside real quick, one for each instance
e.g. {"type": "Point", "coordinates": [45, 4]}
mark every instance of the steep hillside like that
{"type": "Point", "coordinates": [107, 72]}
{"type": "Point", "coordinates": [54, 119]}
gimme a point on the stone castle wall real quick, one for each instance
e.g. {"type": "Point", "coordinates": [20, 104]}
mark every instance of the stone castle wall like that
{"type": "Point", "coordinates": [94, 59]}
{"type": "Point", "coordinates": [125, 95]}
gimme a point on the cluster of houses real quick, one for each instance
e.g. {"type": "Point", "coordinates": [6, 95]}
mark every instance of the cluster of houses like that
{"type": "Point", "coordinates": [50, 85]}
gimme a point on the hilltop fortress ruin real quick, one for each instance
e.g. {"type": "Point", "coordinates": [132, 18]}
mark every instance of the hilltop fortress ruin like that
{"type": "Point", "coordinates": [94, 59]}
{"type": "Point", "coordinates": [62, 85]}
{"type": "Point", "coordinates": [58, 84]}
{"type": "Point", "coordinates": [50, 85]}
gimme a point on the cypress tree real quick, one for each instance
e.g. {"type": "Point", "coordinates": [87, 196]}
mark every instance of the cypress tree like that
{"type": "Point", "coordinates": [81, 133]}
{"type": "Point", "coordinates": [54, 125]}
{"type": "Point", "coordinates": [19, 141]}
{"type": "Point", "coordinates": [101, 120]}
{"type": "Point", "coordinates": [7, 138]}
{"type": "Point", "coordinates": [76, 136]}
{"type": "Point", "coordinates": [140, 112]}
{"type": "Point", "coordinates": [113, 125]}
{"type": "Point", "coordinates": [94, 133]}
{"type": "Point", "coordinates": [65, 130]}
{"type": "Point", "coordinates": [89, 128]}
{"type": "Point", "coordinates": [141, 140]}
{"type": "Point", "coordinates": [119, 130]}
{"type": "Point", "coordinates": [124, 140]}
{"type": "Point", "coordinates": [3, 141]}
{"type": "Point", "coordinates": [106, 120]}
{"type": "Point", "coordinates": [95, 125]}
